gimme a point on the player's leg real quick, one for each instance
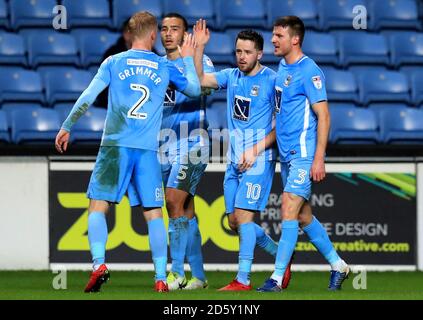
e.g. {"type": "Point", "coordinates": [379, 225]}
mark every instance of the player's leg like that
{"type": "Point", "coordinates": [320, 239]}
{"type": "Point", "coordinates": [147, 183]}
{"type": "Point", "coordinates": [110, 176]}
{"type": "Point", "coordinates": [194, 250]}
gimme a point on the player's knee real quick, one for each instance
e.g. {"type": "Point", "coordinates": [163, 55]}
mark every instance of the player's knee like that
{"type": "Point", "coordinates": [232, 222]}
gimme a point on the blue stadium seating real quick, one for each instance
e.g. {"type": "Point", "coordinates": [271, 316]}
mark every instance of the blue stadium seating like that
{"type": "Point", "coordinates": [358, 47]}
{"type": "Point", "coordinates": [417, 88]}
{"type": "Point", "coordinates": [216, 115]}
{"type": "Point", "coordinates": [93, 44]}
{"type": "Point", "coordinates": [4, 21]}
{"type": "Point", "coordinates": [35, 127]}
{"type": "Point", "coordinates": [401, 125]}
{"type": "Point", "coordinates": [406, 48]}
{"type": "Point", "coordinates": [124, 9]}
{"type": "Point", "coordinates": [192, 10]}
{"type": "Point", "coordinates": [241, 13]}
{"type": "Point", "coordinates": [305, 9]}
{"type": "Point", "coordinates": [51, 47]}
{"type": "Point", "coordinates": [394, 14]}
{"type": "Point", "coordinates": [89, 127]}
{"type": "Point", "coordinates": [63, 109]}
{"type": "Point", "coordinates": [337, 13]}
{"type": "Point", "coordinates": [268, 49]}
{"type": "Point", "coordinates": [341, 85]}
{"type": "Point", "coordinates": [220, 48]}
{"type": "Point", "coordinates": [66, 84]}
{"type": "Point", "coordinates": [353, 126]}
{"type": "Point", "coordinates": [383, 86]}
{"type": "Point", "coordinates": [321, 47]}
{"type": "Point", "coordinates": [17, 84]}
{"type": "Point", "coordinates": [29, 13]}
{"type": "Point", "coordinates": [9, 107]}
{"type": "Point", "coordinates": [12, 49]}
{"type": "Point", "coordinates": [84, 13]}
{"type": "Point", "coordinates": [4, 133]}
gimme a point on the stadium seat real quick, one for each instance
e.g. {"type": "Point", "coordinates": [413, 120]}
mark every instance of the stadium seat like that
{"type": "Point", "coordinates": [192, 10]}
{"type": "Point", "coordinates": [353, 126]}
{"type": "Point", "coordinates": [241, 13]}
{"type": "Point", "coordinates": [18, 84]}
{"type": "Point", "coordinates": [34, 127]}
{"type": "Point", "coordinates": [220, 48]}
{"type": "Point", "coordinates": [89, 128]}
{"type": "Point", "coordinates": [321, 47]}
{"type": "Point", "coordinates": [268, 49]}
{"type": "Point", "coordinates": [394, 14]}
{"type": "Point", "coordinates": [4, 21]}
{"type": "Point", "coordinates": [51, 47]}
{"type": "Point", "coordinates": [401, 125]}
{"type": "Point", "coordinates": [4, 133]}
{"type": "Point", "coordinates": [63, 109]}
{"type": "Point", "coordinates": [358, 47]}
{"type": "Point", "coordinates": [305, 9]}
{"type": "Point", "coordinates": [406, 48]}
{"type": "Point", "coordinates": [416, 88]}
{"type": "Point", "coordinates": [383, 86]}
{"type": "Point", "coordinates": [84, 13]}
{"type": "Point", "coordinates": [216, 115]}
{"type": "Point", "coordinates": [93, 44]}
{"type": "Point", "coordinates": [12, 49]}
{"type": "Point", "coordinates": [30, 13]}
{"type": "Point", "coordinates": [341, 85]}
{"type": "Point", "coordinates": [337, 13]}
{"type": "Point", "coordinates": [66, 84]}
{"type": "Point", "coordinates": [8, 108]}
{"type": "Point", "coordinates": [124, 9]}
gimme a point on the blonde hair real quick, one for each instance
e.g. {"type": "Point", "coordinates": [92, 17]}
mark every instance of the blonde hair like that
{"type": "Point", "coordinates": [141, 24]}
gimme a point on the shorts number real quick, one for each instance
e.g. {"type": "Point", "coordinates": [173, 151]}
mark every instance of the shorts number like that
{"type": "Point", "coordinates": [145, 95]}
{"type": "Point", "coordinates": [182, 174]}
{"type": "Point", "coordinates": [253, 191]}
{"type": "Point", "coordinates": [302, 175]}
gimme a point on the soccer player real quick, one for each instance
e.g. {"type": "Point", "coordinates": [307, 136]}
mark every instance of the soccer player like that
{"type": "Point", "coordinates": [128, 159]}
{"type": "Point", "coordinates": [251, 160]}
{"type": "Point", "coordinates": [184, 158]}
{"type": "Point", "coordinates": [302, 128]}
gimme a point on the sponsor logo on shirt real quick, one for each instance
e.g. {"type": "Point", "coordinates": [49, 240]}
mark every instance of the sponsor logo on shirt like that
{"type": "Point", "coordinates": [241, 108]}
{"type": "Point", "coordinates": [278, 99]}
{"type": "Point", "coordinates": [142, 62]}
{"type": "Point", "coordinates": [170, 98]}
{"type": "Point", "coordinates": [317, 82]}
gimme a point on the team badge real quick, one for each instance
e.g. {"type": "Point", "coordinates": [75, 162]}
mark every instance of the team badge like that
{"type": "Point", "coordinates": [287, 80]}
{"type": "Point", "coordinates": [255, 91]}
{"type": "Point", "coordinates": [317, 82]}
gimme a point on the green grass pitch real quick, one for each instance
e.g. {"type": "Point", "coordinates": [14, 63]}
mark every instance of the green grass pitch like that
{"type": "Point", "coordinates": [138, 285]}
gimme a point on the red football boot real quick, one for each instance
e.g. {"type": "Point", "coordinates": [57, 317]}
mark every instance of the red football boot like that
{"type": "Point", "coordinates": [235, 285]}
{"type": "Point", "coordinates": [97, 278]}
{"type": "Point", "coordinates": [161, 286]}
{"type": "Point", "coordinates": [287, 275]}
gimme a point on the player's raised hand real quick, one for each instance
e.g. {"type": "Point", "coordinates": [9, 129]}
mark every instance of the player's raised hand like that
{"type": "Point", "coordinates": [62, 140]}
{"type": "Point", "coordinates": [247, 160]}
{"type": "Point", "coordinates": [188, 47]}
{"type": "Point", "coordinates": [201, 32]}
{"type": "Point", "coordinates": [318, 171]}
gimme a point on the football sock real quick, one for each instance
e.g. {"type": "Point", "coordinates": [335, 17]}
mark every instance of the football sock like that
{"type": "Point", "coordinates": [247, 243]}
{"type": "Point", "coordinates": [285, 248]}
{"type": "Point", "coordinates": [97, 237]}
{"type": "Point", "coordinates": [320, 239]}
{"type": "Point", "coordinates": [264, 241]}
{"type": "Point", "coordinates": [178, 238]}
{"type": "Point", "coordinates": [158, 245]}
{"type": "Point", "coordinates": [193, 251]}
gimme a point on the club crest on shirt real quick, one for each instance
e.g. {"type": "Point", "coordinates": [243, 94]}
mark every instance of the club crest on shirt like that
{"type": "Point", "coordinates": [317, 82]}
{"type": "Point", "coordinates": [287, 80]}
{"type": "Point", "coordinates": [255, 91]}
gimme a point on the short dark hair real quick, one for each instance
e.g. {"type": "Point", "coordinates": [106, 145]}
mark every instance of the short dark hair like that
{"type": "Point", "coordinates": [295, 24]}
{"type": "Point", "coordinates": [178, 16]}
{"type": "Point", "coordinates": [253, 36]}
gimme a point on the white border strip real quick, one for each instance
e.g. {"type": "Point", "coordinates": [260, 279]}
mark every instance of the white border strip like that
{"type": "Point", "coordinates": [220, 167]}
{"type": "Point", "coordinates": [419, 200]}
{"type": "Point", "coordinates": [226, 267]}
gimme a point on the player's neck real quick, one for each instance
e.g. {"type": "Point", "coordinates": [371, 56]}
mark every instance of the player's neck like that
{"type": "Point", "coordinates": [254, 71]}
{"type": "Point", "coordinates": [173, 54]}
{"type": "Point", "coordinates": [142, 45]}
{"type": "Point", "coordinates": [293, 56]}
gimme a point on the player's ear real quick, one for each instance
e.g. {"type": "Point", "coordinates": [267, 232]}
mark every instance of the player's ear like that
{"type": "Point", "coordinates": [295, 40]}
{"type": "Point", "coordinates": [260, 54]}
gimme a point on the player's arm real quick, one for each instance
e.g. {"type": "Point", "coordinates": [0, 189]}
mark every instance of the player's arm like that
{"type": "Point", "coordinates": [249, 157]}
{"type": "Point", "coordinates": [321, 110]}
{"type": "Point", "coordinates": [189, 84]}
{"type": "Point", "coordinates": [202, 36]}
{"type": "Point", "coordinates": [97, 85]}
